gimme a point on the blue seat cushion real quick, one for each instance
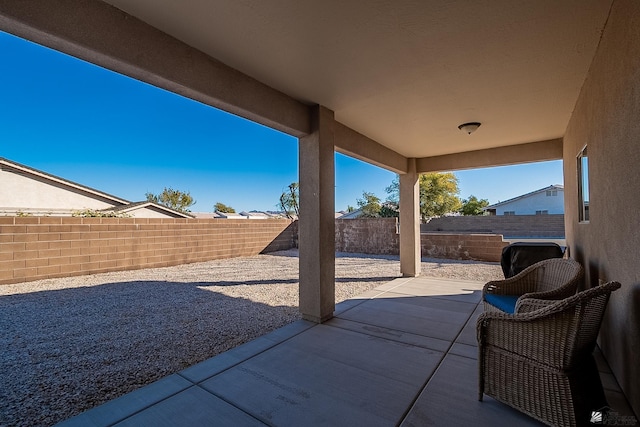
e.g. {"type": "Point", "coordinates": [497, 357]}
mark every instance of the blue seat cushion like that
{"type": "Point", "coordinates": [506, 303]}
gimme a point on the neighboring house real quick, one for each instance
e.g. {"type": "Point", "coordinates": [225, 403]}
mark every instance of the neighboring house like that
{"type": "Point", "coordinates": [545, 201]}
{"type": "Point", "coordinates": [255, 215]}
{"type": "Point", "coordinates": [229, 215]}
{"type": "Point", "coordinates": [349, 215]}
{"type": "Point", "coordinates": [28, 191]}
{"type": "Point", "coordinates": [241, 215]}
{"type": "Point", "coordinates": [204, 215]}
{"type": "Point", "coordinates": [148, 209]}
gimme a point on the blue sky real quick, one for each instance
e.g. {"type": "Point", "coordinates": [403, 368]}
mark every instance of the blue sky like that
{"type": "Point", "coordinates": [115, 134]}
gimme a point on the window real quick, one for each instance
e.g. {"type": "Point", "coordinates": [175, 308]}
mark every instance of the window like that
{"type": "Point", "coordinates": [552, 193]}
{"type": "Point", "coordinates": [583, 186]}
{"type": "Point", "coordinates": [545, 212]}
{"type": "Point", "coordinates": [509, 212]}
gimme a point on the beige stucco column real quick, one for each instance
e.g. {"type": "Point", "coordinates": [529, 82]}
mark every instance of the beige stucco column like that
{"type": "Point", "coordinates": [317, 219]}
{"type": "Point", "coordinates": [410, 221]}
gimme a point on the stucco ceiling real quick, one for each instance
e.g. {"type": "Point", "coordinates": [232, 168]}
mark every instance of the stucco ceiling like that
{"type": "Point", "coordinates": [405, 73]}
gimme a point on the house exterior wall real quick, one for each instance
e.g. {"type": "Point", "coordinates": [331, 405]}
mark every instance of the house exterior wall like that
{"type": "Point", "coordinates": [147, 212]}
{"type": "Point", "coordinates": [605, 119]}
{"type": "Point", "coordinates": [33, 248]}
{"type": "Point", "coordinates": [26, 194]}
{"type": "Point", "coordinates": [535, 202]}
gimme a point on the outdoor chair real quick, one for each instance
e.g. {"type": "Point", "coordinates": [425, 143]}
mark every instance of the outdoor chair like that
{"type": "Point", "coordinates": [554, 278]}
{"type": "Point", "coordinates": [541, 362]}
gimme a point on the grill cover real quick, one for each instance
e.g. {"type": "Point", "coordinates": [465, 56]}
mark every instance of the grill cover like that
{"type": "Point", "coordinates": [518, 256]}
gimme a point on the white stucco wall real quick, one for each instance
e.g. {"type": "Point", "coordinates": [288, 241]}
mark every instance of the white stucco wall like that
{"type": "Point", "coordinates": [21, 193]}
{"type": "Point", "coordinates": [535, 202]}
{"type": "Point", "coordinates": [148, 212]}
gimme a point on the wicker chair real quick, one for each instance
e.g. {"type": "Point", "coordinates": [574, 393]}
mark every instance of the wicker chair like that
{"type": "Point", "coordinates": [554, 278]}
{"type": "Point", "coordinates": [541, 362]}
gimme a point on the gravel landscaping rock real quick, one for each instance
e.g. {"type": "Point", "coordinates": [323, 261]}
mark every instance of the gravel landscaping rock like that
{"type": "Point", "coordinates": [73, 343]}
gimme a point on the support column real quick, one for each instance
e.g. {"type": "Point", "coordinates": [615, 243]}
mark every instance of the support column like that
{"type": "Point", "coordinates": [317, 218]}
{"type": "Point", "coordinates": [410, 251]}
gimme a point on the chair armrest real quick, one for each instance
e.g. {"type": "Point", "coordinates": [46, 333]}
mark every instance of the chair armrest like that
{"type": "Point", "coordinates": [522, 283]}
{"type": "Point", "coordinates": [542, 299]}
{"type": "Point", "coordinates": [528, 303]}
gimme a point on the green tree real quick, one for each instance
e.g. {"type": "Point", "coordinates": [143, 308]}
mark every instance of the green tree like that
{"type": "Point", "coordinates": [438, 194]}
{"type": "Point", "coordinates": [174, 199]}
{"type": "Point", "coordinates": [369, 205]}
{"type": "Point", "coordinates": [289, 200]}
{"type": "Point", "coordinates": [221, 207]}
{"type": "Point", "coordinates": [473, 206]}
{"type": "Point", "coordinates": [389, 210]}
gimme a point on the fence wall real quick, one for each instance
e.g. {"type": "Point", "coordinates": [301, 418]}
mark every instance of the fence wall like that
{"type": "Point", "coordinates": [34, 248]}
{"type": "Point", "coordinates": [368, 236]}
{"type": "Point", "coordinates": [507, 225]}
{"type": "Point", "coordinates": [380, 236]}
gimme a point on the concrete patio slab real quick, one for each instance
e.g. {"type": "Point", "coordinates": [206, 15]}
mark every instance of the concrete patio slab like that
{"type": "Point", "coordinates": [403, 355]}
{"type": "Point", "coordinates": [123, 407]}
{"type": "Point", "coordinates": [391, 334]}
{"type": "Point", "coordinates": [468, 334]}
{"type": "Point", "coordinates": [226, 360]}
{"type": "Point", "coordinates": [364, 380]}
{"type": "Point", "coordinates": [451, 398]}
{"type": "Point", "coordinates": [464, 350]}
{"type": "Point", "coordinates": [192, 407]}
{"type": "Point", "coordinates": [431, 317]}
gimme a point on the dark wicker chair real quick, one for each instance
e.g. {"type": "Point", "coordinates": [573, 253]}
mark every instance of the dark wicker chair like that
{"type": "Point", "coordinates": [541, 362]}
{"type": "Point", "coordinates": [555, 278]}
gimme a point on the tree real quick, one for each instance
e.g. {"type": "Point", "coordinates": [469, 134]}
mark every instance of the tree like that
{"type": "Point", "coordinates": [369, 205]}
{"type": "Point", "coordinates": [221, 207]}
{"type": "Point", "coordinates": [174, 199]}
{"type": "Point", "coordinates": [438, 194]}
{"type": "Point", "coordinates": [289, 200]}
{"type": "Point", "coordinates": [389, 210]}
{"type": "Point", "coordinates": [473, 206]}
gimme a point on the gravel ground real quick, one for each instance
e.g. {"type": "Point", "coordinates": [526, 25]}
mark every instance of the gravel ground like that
{"type": "Point", "coordinates": [73, 343]}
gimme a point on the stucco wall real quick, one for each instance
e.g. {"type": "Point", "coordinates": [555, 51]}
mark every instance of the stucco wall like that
{"type": "Point", "coordinates": [26, 193]}
{"type": "Point", "coordinates": [34, 248]}
{"type": "Point", "coordinates": [607, 119]}
{"type": "Point", "coordinates": [148, 212]}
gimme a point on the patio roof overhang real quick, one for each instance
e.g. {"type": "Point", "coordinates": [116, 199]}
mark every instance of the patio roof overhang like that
{"type": "Point", "coordinates": [399, 77]}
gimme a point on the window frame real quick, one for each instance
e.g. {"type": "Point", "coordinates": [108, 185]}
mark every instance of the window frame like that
{"type": "Point", "coordinates": [583, 185]}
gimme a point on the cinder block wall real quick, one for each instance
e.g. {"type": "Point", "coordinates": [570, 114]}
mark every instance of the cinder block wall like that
{"type": "Point", "coordinates": [380, 236]}
{"type": "Point", "coordinates": [507, 225]}
{"type": "Point", "coordinates": [480, 247]}
{"type": "Point", "coordinates": [368, 236]}
{"type": "Point", "coordinates": [34, 248]}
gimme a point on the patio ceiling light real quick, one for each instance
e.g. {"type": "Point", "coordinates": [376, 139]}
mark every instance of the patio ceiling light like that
{"type": "Point", "coordinates": [470, 127]}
